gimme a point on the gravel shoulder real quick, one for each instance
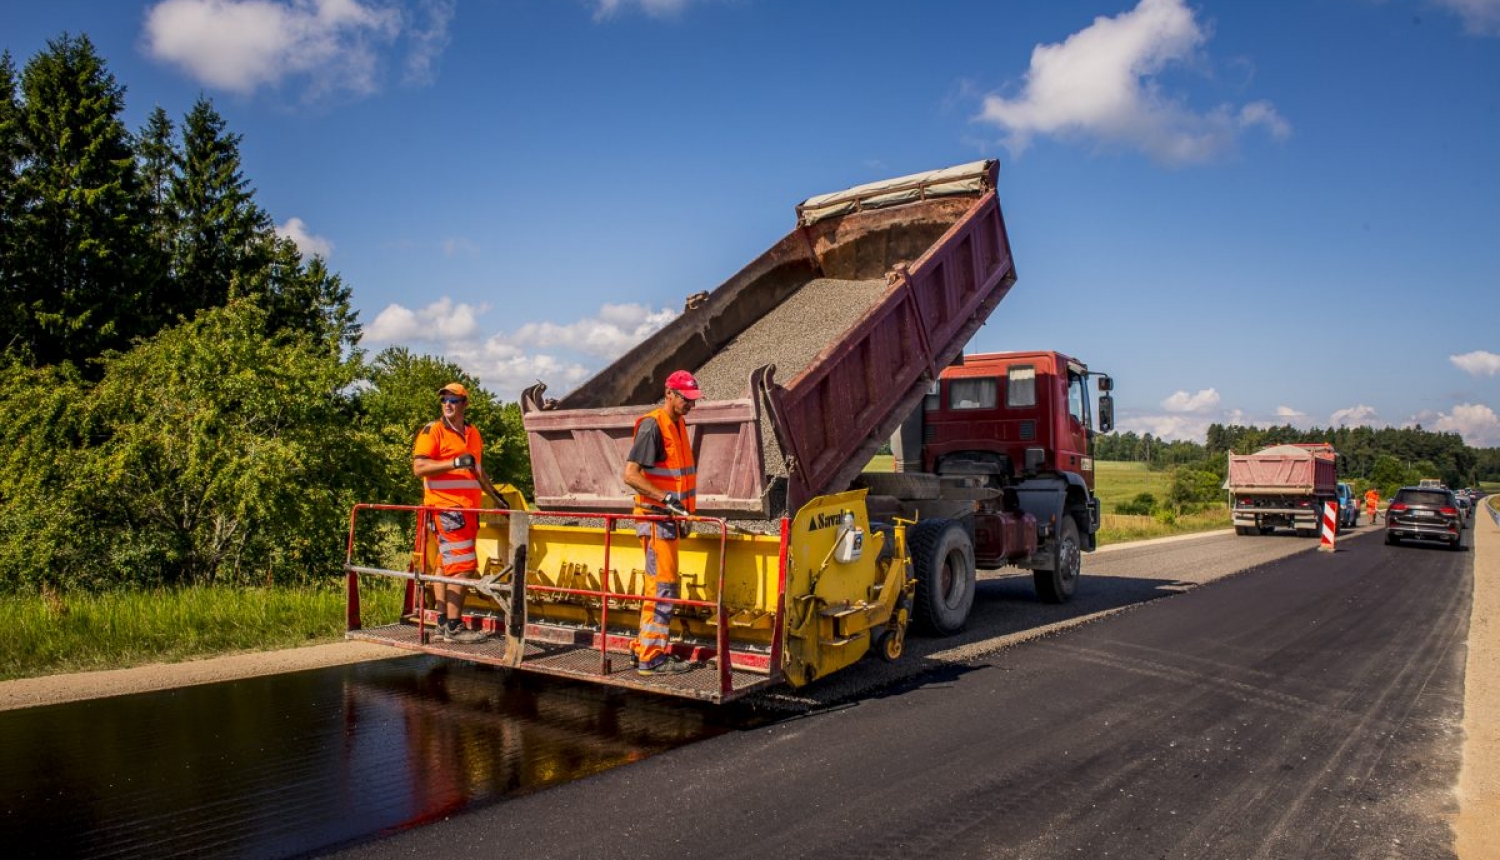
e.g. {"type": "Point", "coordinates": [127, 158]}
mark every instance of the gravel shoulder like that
{"type": "Point", "coordinates": [1478, 824]}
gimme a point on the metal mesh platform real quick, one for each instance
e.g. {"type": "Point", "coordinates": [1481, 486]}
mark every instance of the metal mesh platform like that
{"type": "Point", "coordinates": [581, 662]}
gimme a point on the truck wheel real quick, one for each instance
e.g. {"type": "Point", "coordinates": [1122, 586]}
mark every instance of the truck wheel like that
{"type": "Point", "coordinates": [943, 556]}
{"type": "Point", "coordinates": [1057, 585]}
{"type": "Point", "coordinates": [1245, 531]}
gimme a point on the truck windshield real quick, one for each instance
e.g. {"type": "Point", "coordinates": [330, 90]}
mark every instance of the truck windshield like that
{"type": "Point", "coordinates": [1078, 399]}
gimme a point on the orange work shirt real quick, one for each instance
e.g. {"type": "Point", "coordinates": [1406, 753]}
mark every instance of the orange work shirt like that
{"type": "Point", "coordinates": [460, 487]}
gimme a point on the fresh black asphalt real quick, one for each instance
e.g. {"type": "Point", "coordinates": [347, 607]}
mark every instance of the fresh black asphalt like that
{"type": "Point", "coordinates": [1307, 708]}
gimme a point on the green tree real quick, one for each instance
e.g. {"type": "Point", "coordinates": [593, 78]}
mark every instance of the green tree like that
{"type": "Point", "coordinates": [11, 319]}
{"type": "Point", "coordinates": [302, 297]}
{"type": "Point", "coordinates": [77, 252]}
{"type": "Point", "coordinates": [225, 457]}
{"type": "Point", "coordinates": [45, 538]}
{"type": "Point", "coordinates": [222, 232]}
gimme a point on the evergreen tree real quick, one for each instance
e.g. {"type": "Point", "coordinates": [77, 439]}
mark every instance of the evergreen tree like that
{"type": "Point", "coordinates": [77, 238]}
{"type": "Point", "coordinates": [222, 233]}
{"type": "Point", "coordinates": [303, 298]}
{"type": "Point", "coordinates": [11, 320]}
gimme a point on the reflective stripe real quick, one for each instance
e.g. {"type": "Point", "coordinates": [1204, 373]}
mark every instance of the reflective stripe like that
{"type": "Point", "coordinates": [451, 484]}
{"type": "Point", "coordinates": [449, 558]}
{"type": "Point", "coordinates": [671, 473]}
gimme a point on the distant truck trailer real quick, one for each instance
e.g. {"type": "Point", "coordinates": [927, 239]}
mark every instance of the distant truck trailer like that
{"type": "Point", "coordinates": [1283, 486]}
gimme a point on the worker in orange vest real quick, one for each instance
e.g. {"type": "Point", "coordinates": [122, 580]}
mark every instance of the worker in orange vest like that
{"type": "Point", "coordinates": [1372, 503]}
{"type": "Point", "coordinates": [446, 456]}
{"type": "Point", "coordinates": [661, 470]}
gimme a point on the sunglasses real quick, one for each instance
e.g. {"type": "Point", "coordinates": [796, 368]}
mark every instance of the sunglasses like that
{"type": "Point", "coordinates": [453, 399]}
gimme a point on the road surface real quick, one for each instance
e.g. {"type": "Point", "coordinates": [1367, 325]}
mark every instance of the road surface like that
{"type": "Point", "coordinates": [1309, 707]}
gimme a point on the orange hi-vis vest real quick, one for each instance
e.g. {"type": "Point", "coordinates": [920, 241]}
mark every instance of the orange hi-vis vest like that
{"type": "Point", "coordinates": [460, 487]}
{"type": "Point", "coordinates": [676, 473]}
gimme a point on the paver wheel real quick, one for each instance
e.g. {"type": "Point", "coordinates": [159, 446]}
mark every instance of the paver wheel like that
{"type": "Point", "coordinates": [943, 555]}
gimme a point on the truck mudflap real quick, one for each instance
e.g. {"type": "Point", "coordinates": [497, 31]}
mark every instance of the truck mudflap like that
{"type": "Point", "coordinates": [547, 610]}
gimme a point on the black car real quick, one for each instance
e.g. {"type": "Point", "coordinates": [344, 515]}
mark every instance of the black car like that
{"type": "Point", "coordinates": [1424, 513]}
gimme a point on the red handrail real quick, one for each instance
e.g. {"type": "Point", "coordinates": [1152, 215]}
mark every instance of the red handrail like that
{"type": "Point", "coordinates": [604, 594]}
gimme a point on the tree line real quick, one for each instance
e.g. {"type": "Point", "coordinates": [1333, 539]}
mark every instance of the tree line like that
{"type": "Point", "coordinates": [185, 395]}
{"type": "Point", "coordinates": [1385, 458]}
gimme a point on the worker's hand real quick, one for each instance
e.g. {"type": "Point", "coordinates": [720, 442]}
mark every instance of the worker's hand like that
{"type": "Point", "coordinates": [673, 503]}
{"type": "Point", "coordinates": [463, 461]}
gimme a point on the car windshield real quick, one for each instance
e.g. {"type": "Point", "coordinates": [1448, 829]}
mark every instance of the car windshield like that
{"type": "Point", "coordinates": [1430, 498]}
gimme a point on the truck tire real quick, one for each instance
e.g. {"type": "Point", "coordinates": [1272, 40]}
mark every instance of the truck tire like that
{"type": "Point", "coordinates": [1057, 585]}
{"type": "Point", "coordinates": [1246, 531]}
{"type": "Point", "coordinates": [903, 485]}
{"type": "Point", "coordinates": [943, 554]}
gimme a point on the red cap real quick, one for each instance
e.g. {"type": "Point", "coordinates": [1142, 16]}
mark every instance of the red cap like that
{"type": "Point", "coordinates": [683, 383]}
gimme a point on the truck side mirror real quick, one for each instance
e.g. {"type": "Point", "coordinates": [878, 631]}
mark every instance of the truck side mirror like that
{"type": "Point", "coordinates": [1106, 413]}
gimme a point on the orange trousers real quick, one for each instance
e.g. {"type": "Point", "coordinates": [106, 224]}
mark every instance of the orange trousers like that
{"type": "Point", "coordinates": [650, 646]}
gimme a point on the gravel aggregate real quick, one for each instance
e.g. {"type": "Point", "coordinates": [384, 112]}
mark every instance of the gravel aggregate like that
{"type": "Point", "coordinates": [790, 336]}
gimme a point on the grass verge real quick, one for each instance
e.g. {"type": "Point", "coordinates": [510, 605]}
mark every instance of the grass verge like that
{"type": "Point", "coordinates": [52, 634]}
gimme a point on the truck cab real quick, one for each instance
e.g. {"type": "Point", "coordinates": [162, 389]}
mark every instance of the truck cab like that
{"type": "Point", "coordinates": [1013, 414]}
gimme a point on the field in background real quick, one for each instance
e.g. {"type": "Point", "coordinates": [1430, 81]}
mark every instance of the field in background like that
{"type": "Point", "coordinates": [1116, 482]}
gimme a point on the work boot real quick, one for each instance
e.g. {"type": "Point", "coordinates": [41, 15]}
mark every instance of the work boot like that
{"type": "Point", "coordinates": [664, 666]}
{"type": "Point", "coordinates": [454, 631]}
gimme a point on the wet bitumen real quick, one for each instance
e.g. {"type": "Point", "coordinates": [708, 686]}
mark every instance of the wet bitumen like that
{"type": "Point", "coordinates": [287, 765]}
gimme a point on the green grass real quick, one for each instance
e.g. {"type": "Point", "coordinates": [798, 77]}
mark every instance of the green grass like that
{"type": "Point", "coordinates": [52, 634]}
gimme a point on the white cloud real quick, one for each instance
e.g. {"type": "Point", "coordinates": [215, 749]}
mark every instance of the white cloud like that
{"type": "Point", "coordinates": [1478, 362]}
{"type": "Point", "coordinates": [1354, 416]}
{"type": "Point", "coordinates": [428, 42]}
{"type": "Point", "coordinates": [1289, 414]}
{"type": "Point", "coordinates": [559, 354]}
{"type": "Point", "coordinates": [1480, 17]}
{"type": "Point", "coordinates": [308, 243]}
{"type": "Point", "coordinates": [1172, 428]}
{"type": "Point", "coordinates": [655, 8]}
{"type": "Point", "coordinates": [1205, 400]}
{"type": "Point", "coordinates": [334, 46]}
{"type": "Point", "coordinates": [1102, 84]}
{"type": "Point", "coordinates": [442, 322]}
{"type": "Point", "coordinates": [615, 330]}
{"type": "Point", "coordinates": [1476, 423]}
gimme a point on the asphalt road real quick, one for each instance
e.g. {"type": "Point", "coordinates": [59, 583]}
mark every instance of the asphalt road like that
{"type": "Point", "coordinates": [1309, 707]}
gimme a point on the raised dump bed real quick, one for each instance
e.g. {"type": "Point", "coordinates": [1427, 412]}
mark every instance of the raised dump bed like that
{"type": "Point", "coordinates": [810, 356]}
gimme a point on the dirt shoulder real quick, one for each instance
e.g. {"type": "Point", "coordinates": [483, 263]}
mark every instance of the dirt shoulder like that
{"type": "Point", "coordinates": [1478, 824]}
{"type": "Point", "coordinates": [54, 689]}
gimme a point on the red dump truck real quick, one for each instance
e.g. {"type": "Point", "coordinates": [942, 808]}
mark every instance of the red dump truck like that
{"type": "Point", "coordinates": [845, 333]}
{"type": "Point", "coordinates": [1283, 486]}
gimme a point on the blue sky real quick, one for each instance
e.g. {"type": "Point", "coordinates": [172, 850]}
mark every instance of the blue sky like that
{"type": "Point", "coordinates": [1268, 212]}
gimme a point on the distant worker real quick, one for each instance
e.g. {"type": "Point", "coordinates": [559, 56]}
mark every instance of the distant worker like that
{"type": "Point", "coordinates": [1372, 503]}
{"type": "Point", "coordinates": [661, 470]}
{"type": "Point", "coordinates": [446, 456]}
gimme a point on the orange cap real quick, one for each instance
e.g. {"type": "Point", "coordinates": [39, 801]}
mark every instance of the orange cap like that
{"type": "Point", "coordinates": [454, 388]}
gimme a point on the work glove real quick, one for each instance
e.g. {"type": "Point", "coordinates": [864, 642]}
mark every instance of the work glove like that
{"type": "Point", "coordinates": [463, 461]}
{"type": "Point", "coordinates": [673, 503]}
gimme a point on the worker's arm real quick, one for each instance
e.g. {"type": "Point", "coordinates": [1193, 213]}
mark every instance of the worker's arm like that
{"type": "Point", "coordinates": [636, 480]}
{"type": "Point", "coordinates": [424, 467]}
